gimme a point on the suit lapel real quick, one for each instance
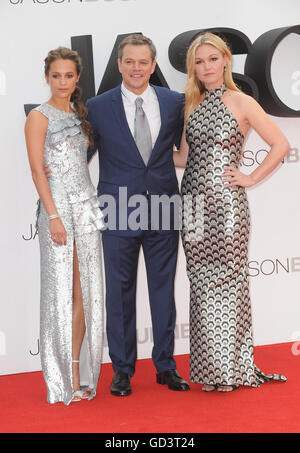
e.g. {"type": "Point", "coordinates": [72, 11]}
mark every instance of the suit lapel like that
{"type": "Point", "coordinates": [118, 108]}
{"type": "Point", "coordinates": [162, 100]}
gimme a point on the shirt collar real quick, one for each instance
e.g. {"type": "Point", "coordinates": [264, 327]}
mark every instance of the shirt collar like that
{"type": "Point", "coordinates": [132, 96]}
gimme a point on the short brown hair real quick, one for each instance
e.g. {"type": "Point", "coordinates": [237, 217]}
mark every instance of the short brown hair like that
{"type": "Point", "coordinates": [136, 39]}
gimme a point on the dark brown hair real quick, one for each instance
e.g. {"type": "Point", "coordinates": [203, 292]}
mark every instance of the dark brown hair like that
{"type": "Point", "coordinates": [63, 53]}
{"type": "Point", "coordinates": [136, 39]}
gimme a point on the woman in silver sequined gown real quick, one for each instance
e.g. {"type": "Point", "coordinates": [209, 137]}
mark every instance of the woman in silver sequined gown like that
{"type": "Point", "coordinates": [71, 269]}
{"type": "Point", "coordinates": [216, 220]}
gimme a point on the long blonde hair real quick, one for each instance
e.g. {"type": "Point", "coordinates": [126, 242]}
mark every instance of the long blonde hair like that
{"type": "Point", "coordinates": [194, 89]}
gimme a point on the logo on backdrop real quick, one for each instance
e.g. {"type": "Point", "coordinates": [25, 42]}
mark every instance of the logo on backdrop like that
{"type": "Point", "coordinates": [274, 266]}
{"type": "Point", "coordinates": [45, 2]}
{"type": "Point", "coordinates": [251, 157]}
{"type": "Point", "coordinates": [278, 92]}
{"type": "Point", "coordinates": [286, 77]}
{"type": "Point", "coordinates": [35, 351]}
{"type": "Point", "coordinates": [31, 234]}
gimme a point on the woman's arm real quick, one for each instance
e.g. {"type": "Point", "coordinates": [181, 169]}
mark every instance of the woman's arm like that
{"type": "Point", "coordinates": [180, 156]}
{"type": "Point", "coordinates": [271, 134]}
{"type": "Point", "coordinates": [35, 132]}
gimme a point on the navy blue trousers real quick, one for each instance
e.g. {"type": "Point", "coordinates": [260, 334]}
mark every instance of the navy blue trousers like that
{"type": "Point", "coordinates": [121, 254]}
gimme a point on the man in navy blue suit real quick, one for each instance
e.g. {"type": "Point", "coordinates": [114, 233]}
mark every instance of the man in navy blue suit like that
{"type": "Point", "coordinates": [122, 125]}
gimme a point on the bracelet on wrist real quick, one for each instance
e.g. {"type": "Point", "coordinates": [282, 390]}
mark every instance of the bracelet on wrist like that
{"type": "Point", "coordinates": [53, 216]}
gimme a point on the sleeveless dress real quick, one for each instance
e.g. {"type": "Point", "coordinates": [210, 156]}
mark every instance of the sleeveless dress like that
{"type": "Point", "coordinates": [65, 151]}
{"type": "Point", "coordinates": [215, 234]}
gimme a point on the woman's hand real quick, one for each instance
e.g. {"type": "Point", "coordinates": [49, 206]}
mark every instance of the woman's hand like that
{"type": "Point", "coordinates": [180, 155]}
{"type": "Point", "coordinates": [233, 177]}
{"type": "Point", "coordinates": [58, 232]}
{"type": "Point", "coordinates": [47, 171]}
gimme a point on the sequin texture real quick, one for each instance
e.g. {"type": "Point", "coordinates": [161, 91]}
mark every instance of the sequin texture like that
{"type": "Point", "coordinates": [65, 151]}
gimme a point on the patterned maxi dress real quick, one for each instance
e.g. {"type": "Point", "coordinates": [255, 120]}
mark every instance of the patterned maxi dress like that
{"type": "Point", "coordinates": [215, 238]}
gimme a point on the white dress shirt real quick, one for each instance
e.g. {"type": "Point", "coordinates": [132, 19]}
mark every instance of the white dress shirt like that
{"type": "Point", "coordinates": [150, 106]}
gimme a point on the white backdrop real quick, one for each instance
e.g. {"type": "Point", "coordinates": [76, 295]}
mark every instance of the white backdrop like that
{"type": "Point", "coordinates": [28, 29]}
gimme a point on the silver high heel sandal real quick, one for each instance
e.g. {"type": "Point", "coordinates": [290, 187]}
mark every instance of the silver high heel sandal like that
{"type": "Point", "coordinates": [80, 394]}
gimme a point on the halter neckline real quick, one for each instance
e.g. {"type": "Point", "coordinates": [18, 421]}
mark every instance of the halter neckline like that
{"type": "Point", "coordinates": [216, 92]}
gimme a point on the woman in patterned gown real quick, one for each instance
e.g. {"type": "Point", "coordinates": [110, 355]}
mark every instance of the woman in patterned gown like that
{"type": "Point", "coordinates": [69, 220]}
{"type": "Point", "coordinates": [215, 229]}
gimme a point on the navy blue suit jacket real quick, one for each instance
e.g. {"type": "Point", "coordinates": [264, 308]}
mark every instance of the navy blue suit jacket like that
{"type": "Point", "coordinates": [120, 162]}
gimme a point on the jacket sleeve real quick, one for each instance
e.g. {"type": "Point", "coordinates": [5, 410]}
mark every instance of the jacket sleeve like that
{"type": "Point", "coordinates": [180, 122]}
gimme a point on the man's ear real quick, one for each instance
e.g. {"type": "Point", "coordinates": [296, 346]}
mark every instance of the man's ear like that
{"type": "Point", "coordinates": [119, 64]}
{"type": "Point", "coordinates": [153, 66]}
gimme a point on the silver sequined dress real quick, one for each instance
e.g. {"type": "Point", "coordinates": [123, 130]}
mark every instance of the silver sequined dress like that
{"type": "Point", "coordinates": [65, 151]}
{"type": "Point", "coordinates": [215, 237]}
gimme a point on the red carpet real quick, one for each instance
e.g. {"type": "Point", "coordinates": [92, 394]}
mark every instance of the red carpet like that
{"type": "Point", "coordinates": [152, 408]}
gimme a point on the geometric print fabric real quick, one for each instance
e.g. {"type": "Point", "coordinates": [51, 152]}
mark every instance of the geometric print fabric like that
{"type": "Point", "coordinates": [215, 237]}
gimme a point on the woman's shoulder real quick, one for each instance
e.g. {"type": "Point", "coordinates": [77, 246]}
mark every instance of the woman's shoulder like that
{"type": "Point", "coordinates": [241, 100]}
{"type": "Point", "coordinates": [240, 96]}
{"type": "Point", "coordinates": [40, 111]}
{"type": "Point", "coordinates": [37, 115]}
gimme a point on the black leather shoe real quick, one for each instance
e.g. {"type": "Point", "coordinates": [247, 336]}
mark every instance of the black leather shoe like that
{"type": "Point", "coordinates": [172, 378]}
{"type": "Point", "coordinates": [120, 385]}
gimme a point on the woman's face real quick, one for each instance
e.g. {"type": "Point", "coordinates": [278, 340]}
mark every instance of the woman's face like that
{"type": "Point", "coordinates": [209, 66]}
{"type": "Point", "coordinates": [62, 78]}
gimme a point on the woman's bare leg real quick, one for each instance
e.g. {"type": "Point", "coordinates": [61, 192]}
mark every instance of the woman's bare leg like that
{"type": "Point", "coordinates": [78, 321]}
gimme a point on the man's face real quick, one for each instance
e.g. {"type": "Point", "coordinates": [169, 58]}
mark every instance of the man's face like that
{"type": "Point", "coordinates": [136, 67]}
